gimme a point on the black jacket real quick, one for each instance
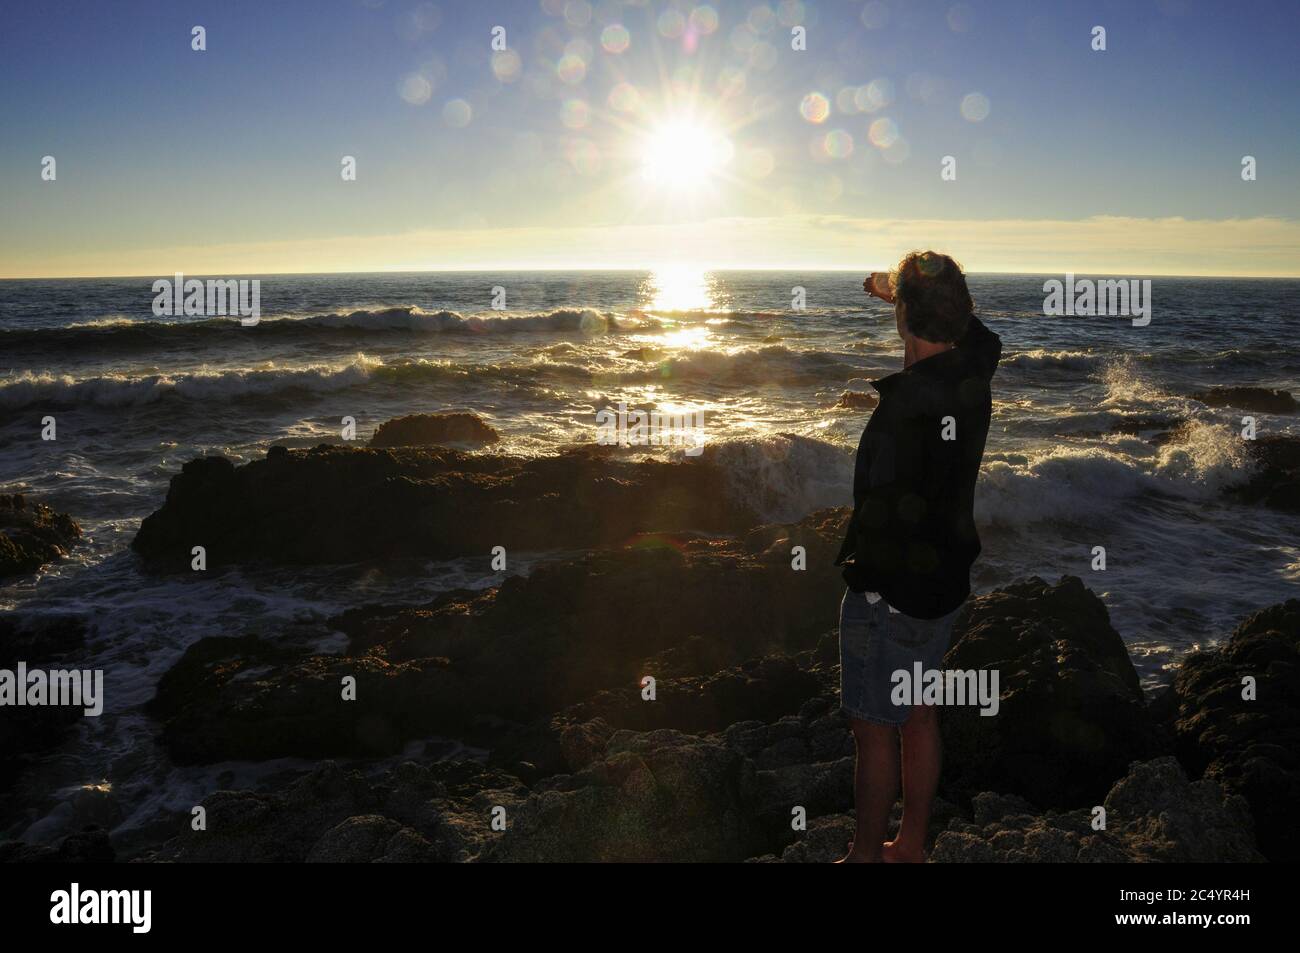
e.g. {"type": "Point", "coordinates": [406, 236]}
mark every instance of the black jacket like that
{"type": "Point", "coordinates": [912, 537]}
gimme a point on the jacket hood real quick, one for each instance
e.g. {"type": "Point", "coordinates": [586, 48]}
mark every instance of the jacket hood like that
{"type": "Point", "coordinates": [982, 348]}
{"type": "Point", "coordinates": [975, 355]}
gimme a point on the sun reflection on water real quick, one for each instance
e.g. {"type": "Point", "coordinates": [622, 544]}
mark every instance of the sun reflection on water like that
{"type": "Point", "coordinates": [679, 288]}
{"type": "Point", "coordinates": [689, 339]}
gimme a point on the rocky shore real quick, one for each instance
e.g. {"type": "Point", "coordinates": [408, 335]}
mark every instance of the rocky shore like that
{"type": "Point", "coordinates": [32, 534]}
{"type": "Point", "coordinates": [667, 692]}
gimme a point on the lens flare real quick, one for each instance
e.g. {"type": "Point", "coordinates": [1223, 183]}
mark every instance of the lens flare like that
{"type": "Point", "coordinates": [837, 144]}
{"type": "Point", "coordinates": [506, 65]}
{"type": "Point", "coordinates": [975, 107]}
{"type": "Point", "coordinates": [883, 133]}
{"type": "Point", "coordinates": [815, 107]}
{"type": "Point", "coordinates": [615, 38]}
{"type": "Point", "coordinates": [571, 69]}
{"type": "Point", "coordinates": [457, 113]}
{"type": "Point", "coordinates": [415, 89]}
{"type": "Point", "coordinates": [671, 24]}
{"type": "Point", "coordinates": [704, 19]}
{"type": "Point", "coordinates": [574, 113]}
{"type": "Point", "coordinates": [624, 97]}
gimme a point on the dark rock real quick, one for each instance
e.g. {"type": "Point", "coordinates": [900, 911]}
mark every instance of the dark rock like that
{"type": "Point", "coordinates": [763, 688]}
{"type": "Point", "coordinates": [825, 841]}
{"type": "Point", "coordinates": [371, 838]}
{"type": "Point", "coordinates": [760, 689]}
{"type": "Point", "coordinates": [1259, 399]}
{"type": "Point", "coordinates": [655, 797]}
{"type": "Point", "coordinates": [1153, 814]}
{"type": "Point", "coordinates": [828, 837]}
{"type": "Point", "coordinates": [37, 639]}
{"type": "Point", "coordinates": [1071, 715]}
{"type": "Point", "coordinates": [90, 846]}
{"type": "Point", "coordinates": [422, 430]}
{"type": "Point", "coordinates": [32, 534]}
{"type": "Point", "coordinates": [1276, 480]}
{"type": "Point", "coordinates": [244, 826]}
{"type": "Point", "coordinates": [30, 731]}
{"type": "Point", "coordinates": [581, 744]}
{"type": "Point", "coordinates": [545, 671]}
{"type": "Point", "coordinates": [521, 652]}
{"type": "Point", "coordinates": [412, 812]}
{"type": "Point", "coordinates": [248, 698]}
{"type": "Point", "coordinates": [336, 504]}
{"type": "Point", "coordinates": [1251, 747]}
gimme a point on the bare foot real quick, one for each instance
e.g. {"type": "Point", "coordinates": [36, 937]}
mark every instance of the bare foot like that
{"type": "Point", "coordinates": [853, 857]}
{"type": "Point", "coordinates": [892, 852]}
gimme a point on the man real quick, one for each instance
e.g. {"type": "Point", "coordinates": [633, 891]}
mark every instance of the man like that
{"type": "Point", "coordinates": [911, 541]}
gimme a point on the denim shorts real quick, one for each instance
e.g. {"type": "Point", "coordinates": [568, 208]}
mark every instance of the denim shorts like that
{"type": "Point", "coordinates": [875, 642]}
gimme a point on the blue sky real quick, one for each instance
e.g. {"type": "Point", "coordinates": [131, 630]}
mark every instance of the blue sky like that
{"type": "Point", "coordinates": [1126, 160]}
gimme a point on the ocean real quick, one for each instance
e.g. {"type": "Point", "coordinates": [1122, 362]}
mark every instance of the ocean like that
{"type": "Point", "coordinates": [1071, 463]}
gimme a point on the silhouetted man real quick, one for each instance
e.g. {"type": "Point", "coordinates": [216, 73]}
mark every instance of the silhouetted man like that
{"type": "Point", "coordinates": [911, 542]}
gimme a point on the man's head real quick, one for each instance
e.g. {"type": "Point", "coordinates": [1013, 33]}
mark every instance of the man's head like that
{"type": "Point", "coordinates": [931, 301]}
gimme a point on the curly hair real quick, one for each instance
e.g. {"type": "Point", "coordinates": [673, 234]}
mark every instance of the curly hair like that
{"type": "Point", "coordinates": [932, 289]}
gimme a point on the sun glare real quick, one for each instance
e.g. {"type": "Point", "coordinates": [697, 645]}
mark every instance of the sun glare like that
{"type": "Point", "coordinates": [684, 154]}
{"type": "Point", "coordinates": [679, 288]}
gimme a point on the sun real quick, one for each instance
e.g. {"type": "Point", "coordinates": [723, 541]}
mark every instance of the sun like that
{"type": "Point", "coordinates": [683, 154]}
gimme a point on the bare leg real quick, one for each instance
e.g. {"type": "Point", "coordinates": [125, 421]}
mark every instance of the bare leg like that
{"type": "Point", "coordinates": [875, 788]}
{"type": "Point", "coordinates": [922, 754]}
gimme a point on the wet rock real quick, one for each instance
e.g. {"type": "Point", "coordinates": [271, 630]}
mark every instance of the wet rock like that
{"type": "Point", "coordinates": [1071, 715]}
{"type": "Point", "coordinates": [421, 430]}
{"type": "Point", "coordinates": [1276, 480]}
{"type": "Point", "coordinates": [1136, 425]}
{"type": "Point", "coordinates": [27, 732]}
{"type": "Point", "coordinates": [1259, 399]}
{"type": "Point", "coordinates": [1251, 747]}
{"type": "Point", "coordinates": [336, 504]}
{"type": "Point", "coordinates": [32, 534]}
{"type": "Point", "coordinates": [95, 805]}
{"type": "Point", "coordinates": [39, 638]}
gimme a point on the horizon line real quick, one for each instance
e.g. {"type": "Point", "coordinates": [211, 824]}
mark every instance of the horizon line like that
{"type": "Point", "coordinates": [622, 270]}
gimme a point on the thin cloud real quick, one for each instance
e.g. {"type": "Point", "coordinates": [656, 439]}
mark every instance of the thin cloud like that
{"type": "Point", "coordinates": [1104, 244]}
